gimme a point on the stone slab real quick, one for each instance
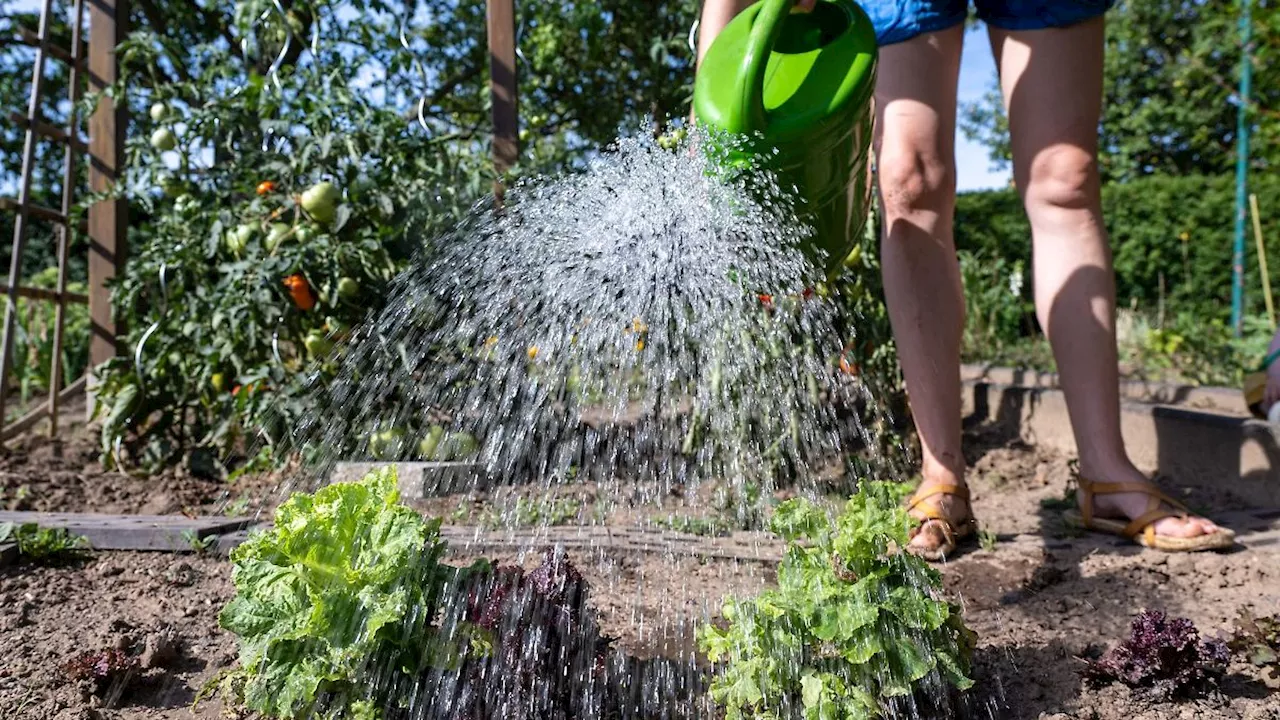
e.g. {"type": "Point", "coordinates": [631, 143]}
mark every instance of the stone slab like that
{"type": "Point", "coordinates": [171, 533]}
{"type": "Point", "coordinates": [419, 480]}
{"type": "Point", "coordinates": [1218, 400]}
{"type": "Point", "coordinates": [1192, 447]}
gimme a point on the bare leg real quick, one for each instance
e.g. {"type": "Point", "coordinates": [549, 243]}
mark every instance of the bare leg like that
{"type": "Point", "coordinates": [915, 145]}
{"type": "Point", "coordinates": [1052, 84]}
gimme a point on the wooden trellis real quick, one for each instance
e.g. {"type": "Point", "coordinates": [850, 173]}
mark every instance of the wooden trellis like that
{"type": "Point", "coordinates": [107, 219]}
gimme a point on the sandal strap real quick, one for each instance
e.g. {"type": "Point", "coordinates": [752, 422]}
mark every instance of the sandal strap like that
{"type": "Point", "coordinates": [1154, 512]}
{"type": "Point", "coordinates": [1147, 522]}
{"type": "Point", "coordinates": [921, 495]}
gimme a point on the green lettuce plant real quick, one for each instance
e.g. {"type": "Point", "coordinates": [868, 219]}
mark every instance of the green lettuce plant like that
{"type": "Point", "coordinates": [854, 625]}
{"type": "Point", "coordinates": [343, 589]}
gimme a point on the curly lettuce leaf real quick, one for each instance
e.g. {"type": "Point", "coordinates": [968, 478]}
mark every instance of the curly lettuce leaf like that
{"type": "Point", "coordinates": [327, 591]}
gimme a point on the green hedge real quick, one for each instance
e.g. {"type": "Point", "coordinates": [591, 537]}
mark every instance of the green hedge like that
{"type": "Point", "coordinates": [1179, 226]}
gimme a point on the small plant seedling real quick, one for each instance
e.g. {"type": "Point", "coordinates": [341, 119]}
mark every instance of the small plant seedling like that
{"type": "Point", "coordinates": [43, 544]}
{"type": "Point", "coordinates": [706, 527]}
{"type": "Point", "coordinates": [1066, 502]}
{"type": "Point", "coordinates": [529, 513]}
{"type": "Point", "coordinates": [1258, 639]}
{"type": "Point", "coordinates": [987, 540]}
{"type": "Point", "coordinates": [199, 545]}
{"type": "Point", "coordinates": [997, 480]}
{"type": "Point", "coordinates": [237, 507]}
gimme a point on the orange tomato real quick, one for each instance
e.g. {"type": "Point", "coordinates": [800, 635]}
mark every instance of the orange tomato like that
{"type": "Point", "coordinates": [849, 368]}
{"type": "Point", "coordinates": [266, 186]}
{"type": "Point", "coordinates": [766, 300]}
{"type": "Point", "coordinates": [249, 389]}
{"type": "Point", "coordinates": [300, 291]}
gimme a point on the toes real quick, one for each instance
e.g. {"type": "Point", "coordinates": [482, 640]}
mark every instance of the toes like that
{"type": "Point", "coordinates": [927, 537]}
{"type": "Point", "coordinates": [1186, 527]}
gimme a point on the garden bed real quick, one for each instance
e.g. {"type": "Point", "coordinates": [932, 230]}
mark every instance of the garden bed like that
{"type": "Point", "coordinates": [1041, 598]}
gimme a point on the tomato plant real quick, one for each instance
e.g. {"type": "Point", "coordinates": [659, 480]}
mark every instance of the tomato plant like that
{"type": "Point", "coordinates": [238, 282]}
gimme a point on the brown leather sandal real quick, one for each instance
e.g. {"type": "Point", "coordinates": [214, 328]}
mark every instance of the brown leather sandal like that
{"type": "Point", "coordinates": [1142, 529]}
{"type": "Point", "coordinates": [952, 532]}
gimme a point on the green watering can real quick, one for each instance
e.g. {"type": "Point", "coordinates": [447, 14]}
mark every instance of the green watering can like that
{"type": "Point", "coordinates": [805, 82]}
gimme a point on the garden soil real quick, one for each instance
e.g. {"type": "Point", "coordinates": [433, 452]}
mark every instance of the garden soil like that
{"type": "Point", "coordinates": [1043, 599]}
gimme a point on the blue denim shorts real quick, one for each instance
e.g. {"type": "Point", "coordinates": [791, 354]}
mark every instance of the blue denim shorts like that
{"type": "Point", "coordinates": [896, 21]}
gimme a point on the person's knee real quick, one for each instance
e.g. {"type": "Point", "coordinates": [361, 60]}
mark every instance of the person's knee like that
{"type": "Point", "coordinates": [1062, 177]}
{"type": "Point", "coordinates": [914, 180]}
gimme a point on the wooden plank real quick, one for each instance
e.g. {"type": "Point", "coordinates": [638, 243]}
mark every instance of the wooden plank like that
{"type": "Point", "coordinates": [26, 422]}
{"type": "Point", "coordinates": [33, 39]}
{"type": "Point", "coordinates": [1256, 530]}
{"type": "Point", "coordinates": [52, 295]}
{"type": "Point", "coordinates": [108, 219]}
{"type": "Point", "coordinates": [34, 210]}
{"type": "Point", "coordinates": [172, 533]}
{"type": "Point", "coordinates": [502, 87]}
{"type": "Point", "coordinates": [43, 128]}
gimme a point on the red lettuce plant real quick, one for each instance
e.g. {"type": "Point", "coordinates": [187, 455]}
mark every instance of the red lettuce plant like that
{"type": "Point", "coordinates": [541, 655]}
{"type": "Point", "coordinates": [1162, 655]}
{"type": "Point", "coordinates": [104, 668]}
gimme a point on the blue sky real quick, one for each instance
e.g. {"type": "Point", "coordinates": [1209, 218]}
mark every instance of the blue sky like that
{"type": "Point", "coordinates": [977, 72]}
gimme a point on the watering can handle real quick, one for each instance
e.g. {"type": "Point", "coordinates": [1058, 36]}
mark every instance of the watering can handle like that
{"type": "Point", "coordinates": [765, 29]}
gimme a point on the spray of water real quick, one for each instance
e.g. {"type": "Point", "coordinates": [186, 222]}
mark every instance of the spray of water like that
{"type": "Point", "coordinates": [648, 321]}
{"type": "Point", "coordinates": [648, 328]}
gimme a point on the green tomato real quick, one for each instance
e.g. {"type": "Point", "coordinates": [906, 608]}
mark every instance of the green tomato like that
{"type": "Point", "coordinates": [386, 444]}
{"type": "Point", "coordinates": [218, 381]}
{"type": "Point", "coordinates": [305, 233]}
{"type": "Point", "coordinates": [427, 445]}
{"type": "Point", "coordinates": [321, 201]}
{"type": "Point", "coordinates": [238, 239]}
{"type": "Point", "coordinates": [336, 326]}
{"type": "Point", "coordinates": [276, 234]}
{"type": "Point", "coordinates": [172, 186]}
{"type": "Point", "coordinates": [348, 288]}
{"type": "Point", "coordinates": [458, 445]}
{"type": "Point", "coordinates": [317, 344]}
{"type": "Point", "coordinates": [163, 139]}
{"type": "Point", "coordinates": [159, 111]}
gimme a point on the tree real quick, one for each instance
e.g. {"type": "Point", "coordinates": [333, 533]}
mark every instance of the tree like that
{"type": "Point", "coordinates": [1170, 91]}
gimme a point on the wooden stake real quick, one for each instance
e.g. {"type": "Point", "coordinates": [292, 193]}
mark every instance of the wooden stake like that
{"type": "Point", "coordinates": [1262, 259]}
{"type": "Point", "coordinates": [502, 87]}
{"type": "Point", "coordinates": [108, 219]}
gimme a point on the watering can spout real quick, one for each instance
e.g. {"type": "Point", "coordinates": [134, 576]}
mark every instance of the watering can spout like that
{"type": "Point", "coordinates": [802, 84]}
